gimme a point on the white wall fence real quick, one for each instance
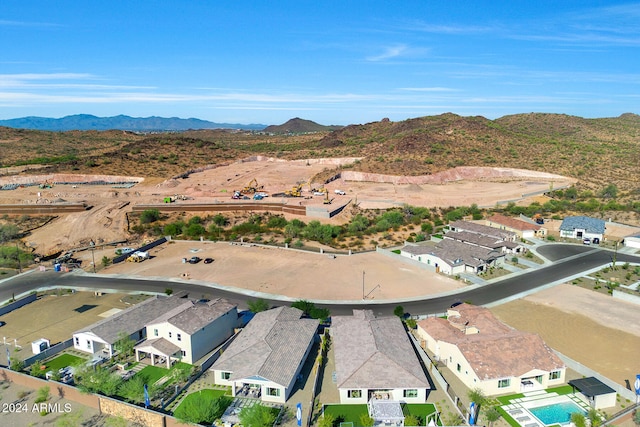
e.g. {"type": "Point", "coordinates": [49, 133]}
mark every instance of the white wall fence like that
{"type": "Point", "coordinates": [588, 372]}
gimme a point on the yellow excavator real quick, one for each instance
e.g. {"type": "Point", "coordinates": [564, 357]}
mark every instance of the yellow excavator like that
{"type": "Point", "coordinates": [252, 187]}
{"type": "Point", "coordinates": [296, 191]}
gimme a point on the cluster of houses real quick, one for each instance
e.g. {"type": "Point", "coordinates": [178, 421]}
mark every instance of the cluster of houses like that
{"type": "Point", "coordinates": [375, 361]}
{"type": "Point", "coordinates": [475, 247]}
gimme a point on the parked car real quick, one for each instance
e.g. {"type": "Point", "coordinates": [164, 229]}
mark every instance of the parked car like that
{"type": "Point", "coordinates": [208, 260]}
{"type": "Point", "coordinates": [587, 241]}
{"type": "Point", "coordinates": [194, 260]}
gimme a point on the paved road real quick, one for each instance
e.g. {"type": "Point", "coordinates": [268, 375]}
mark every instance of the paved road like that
{"type": "Point", "coordinates": [569, 260]}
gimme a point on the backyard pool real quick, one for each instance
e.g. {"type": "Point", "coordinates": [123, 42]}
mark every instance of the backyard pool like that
{"type": "Point", "coordinates": [558, 413]}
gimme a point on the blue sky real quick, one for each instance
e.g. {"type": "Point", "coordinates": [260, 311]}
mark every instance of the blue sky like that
{"type": "Point", "coordinates": [333, 62]}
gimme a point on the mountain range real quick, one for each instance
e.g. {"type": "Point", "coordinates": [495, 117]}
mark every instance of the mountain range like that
{"type": "Point", "coordinates": [120, 122]}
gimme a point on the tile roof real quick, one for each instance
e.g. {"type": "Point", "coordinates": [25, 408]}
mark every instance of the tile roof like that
{"type": "Point", "coordinates": [482, 229]}
{"type": "Point", "coordinates": [478, 239]}
{"type": "Point", "coordinates": [161, 345]}
{"type": "Point", "coordinates": [516, 224]}
{"type": "Point", "coordinates": [454, 252]}
{"type": "Point", "coordinates": [196, 315]}
{"type": "Point", "coordinates": [133, 318]}
{"type": "Point", "coordinates": [496, 350]}
{"type": "Point", "coordinates": [372, 352]}
{"type": "Point", "coordinates": [590, 225]}
{"type": "Point", "coordinates": [271, 346]}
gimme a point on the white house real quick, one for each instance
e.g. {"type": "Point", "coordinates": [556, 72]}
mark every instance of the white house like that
{"type": "Point", "coordinates": [265, 359]}
{"type": "Point", "coordinates": [582, 227]}
{"type": "Point", "coordinates": [100, 337]}
{"type": "Point", "coordinates": [163, 328]}
{"type": "Point", "coordinates": [454, 257]}
{"type": "Point", "coordinates": [484, 353]}
{"type": "Point", "coordinates": [375, 360]}
{"type": "Point", "coordinates": [632, 241]}
{"type": "Point", "coordinates": [188, 332]}
{"type": "Point", "coordinates": [523, 229]}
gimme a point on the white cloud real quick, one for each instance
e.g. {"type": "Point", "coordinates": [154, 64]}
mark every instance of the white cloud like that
{"type": "Point", "coordinates": [389, 53]}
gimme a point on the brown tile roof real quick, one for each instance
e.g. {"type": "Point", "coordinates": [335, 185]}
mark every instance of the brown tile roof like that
{"type": "Point", "coordinates": [374, 352]}
{"type": "Point", "coordinates": [482, 229]}
{"type": "Point", "coordinates": [514, 223]}
{"type": "Point", "coordinates": [496, 351]}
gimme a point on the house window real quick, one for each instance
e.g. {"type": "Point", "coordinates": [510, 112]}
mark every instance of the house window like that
{"type": "Point", "coordinates": [183, 353]}
{"type": "Point", "coordinates": [225, 375]}
{"type": "Point", "coordinates": [88, 345]}
{"type": "Point", "coordinates": [412, 392]}
{"type": "Point", "coordinates": [458, 367]}
{"type": "Point", "coordinates": [77, 341]}
{"type": "Point", "coordinates": [504, 383]}
{"type": "Point", "coordinates": [179, 336]}
{"type": "Point", "coordinates": [354, 394]}
{"type": "Point", "coordinates": [555, 375]}
{"type": "Point", "coordinates": [539, 379]}
{"type": "Point", "coordinates": [272, 391]}
{"type": "Point", "coordinates": [155, 332]}
{"type": "Point", "coordinates": [169, 334]}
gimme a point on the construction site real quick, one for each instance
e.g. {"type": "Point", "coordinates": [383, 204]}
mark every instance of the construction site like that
{"type": "Point", "coordinates": [95, 207]}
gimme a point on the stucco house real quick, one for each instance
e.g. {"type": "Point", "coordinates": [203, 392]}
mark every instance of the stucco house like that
{"type": "Point", "coordinates": [188, 332]}
{"type": "Point", "coordinates": [164, 328]}
{"type": "Point", "coordinates": [475, 227]}
{"type": "Point", "coordinates": [374, 359]}
{"type": "Point", "coordinates": [632, 241]}
{"type": "Point", "coordinates": [454, 257]}
{"type": "Point", "coordinates": [484, 241]}
{"type": "Point", "coordinates": [484, 353]}
{"type": "Point", "coordinates": [523, 229]}
{"type": "Point", "coordinates": [582, 227]}
{"type": "Point", "coordinates": [100, 337]}
{"type": "Point", "coordinates": [265, 359]}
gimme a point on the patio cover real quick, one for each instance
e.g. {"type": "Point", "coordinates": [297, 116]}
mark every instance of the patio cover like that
{"type": "Point", "coordinates": [385, 410]}
{"type": "Point", "coordinates": [591, 386]}
{"type": "Point", "coordinates": [158, 346]}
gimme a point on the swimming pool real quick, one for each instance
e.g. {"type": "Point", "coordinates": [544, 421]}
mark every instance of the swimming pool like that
{"type": "Point", "coordinates": [558, 413]}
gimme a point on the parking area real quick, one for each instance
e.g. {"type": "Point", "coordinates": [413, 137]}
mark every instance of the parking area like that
{"type": "Point", "coordinates": [55, 316]}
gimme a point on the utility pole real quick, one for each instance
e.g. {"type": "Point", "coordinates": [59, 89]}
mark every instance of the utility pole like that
{"type": "Point", "coordinates": [93, 254]}
{"type": "Point", "coordinates": [362, 285]}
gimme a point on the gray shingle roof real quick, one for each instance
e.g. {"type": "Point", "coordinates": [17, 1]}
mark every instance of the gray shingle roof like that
{"type": "Point", "coordinates": [133, 318]}
{"type": "Point", "coordinates": [161, 345]}
{"type": "Point", "coordinates": [271, 346]}
{"type": "Point", "coordinates": [482, 229]}
{"type": "Point", "coordinates": [374, 352]}
{"type": "Point", "coordinates": [478, 239]}
{"type": "Point", "coordinates": [590, 225]}
{"type": "Point", "coordinates": [196, 315]}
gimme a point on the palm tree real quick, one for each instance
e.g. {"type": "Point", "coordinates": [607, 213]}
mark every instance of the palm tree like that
{"type": "Point", "coordinates": [492, 415]}
{"type": "Point", "coordinates": [478, 397]}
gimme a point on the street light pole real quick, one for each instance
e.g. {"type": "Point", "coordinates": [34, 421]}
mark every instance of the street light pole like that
{"type": "Point", "coordinates": [93, 254]}
{"type": "Point", "coordinates": [362, 285]}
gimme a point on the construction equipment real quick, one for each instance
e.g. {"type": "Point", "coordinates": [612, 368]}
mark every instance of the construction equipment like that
{"type": "Point", "coordinates": [252, 187]}
{"type": "Point", "coordinates": [236, 195]}
{"type": "Point", "coordinates": [538, 218]}
{"type": "Point", "coordinates": [138, 256]}
{"type": "Point", "coordinates": [46, 184]}
{"type": "Point", "coordinates": [295, 191]}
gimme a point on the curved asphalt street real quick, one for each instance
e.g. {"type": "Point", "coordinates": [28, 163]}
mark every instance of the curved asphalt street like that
{"type": "Point", "coordinates": [568, 261]}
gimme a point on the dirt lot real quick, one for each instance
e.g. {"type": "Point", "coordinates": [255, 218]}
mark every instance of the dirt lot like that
{"type": "Point", "coordinates": [106, 221]}
{"type": "Point", "coordinates": [589, 327]}
{"type": "Point", "coordinates": [295, 274]}
{"type": "Point", "coordinates": [58, 316]}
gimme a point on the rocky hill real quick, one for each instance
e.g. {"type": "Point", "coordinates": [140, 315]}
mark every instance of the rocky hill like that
{"type": "Point", "coordinates": [298, 125]}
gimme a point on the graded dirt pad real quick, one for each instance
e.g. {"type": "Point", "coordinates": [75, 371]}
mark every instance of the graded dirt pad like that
{"type": "Point", "coordinates": [591, 328]}
{"type": "Point", "coordinates": [295, 274]}
{"type": "Point", "coordinates": [106, 221]}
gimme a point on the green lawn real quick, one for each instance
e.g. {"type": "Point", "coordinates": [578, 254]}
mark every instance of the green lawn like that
{"type": "Point", "coordinates": [352, 413]}
{"type": "Point", "coordinates": [419, 410]}
{"type": "Point", "coordinates": [151, 374]}
{"type": "Point", "coordinates": [346, 413]}
{"type": "Point", "coordinates": [63, 361]}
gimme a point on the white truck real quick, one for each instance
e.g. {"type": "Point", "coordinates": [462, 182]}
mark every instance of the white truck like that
{"type": "Point", "coordinates": [340, 192]}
